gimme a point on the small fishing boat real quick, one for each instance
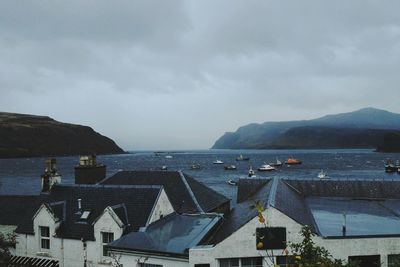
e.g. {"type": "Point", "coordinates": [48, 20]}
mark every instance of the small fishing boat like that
{"type": "Point", "coordinates": [292, 161]}
{"type": "Point", "coordinates": [266, 168]}
{"type": "Point", "coordinates": [164, 168]}
{"type": "Point", "coordinates": [251, 172]}
{"type": "Point", "coordinates": [323, 175]}
{"type": "Point", "coordinates": [195, 167]}
{"type": "Point", "coordinates": [241, 158]}
{"type": "Point", "coordinates": [230, 167]}
{"type": "Point", "coordinates": [231, 182]}
{"type": "Point", "coordinates": [277, 163]}
{"type": "Point", "coordinates": [218, 162]}
{"type": "Point", "coordinates": [391, 167]}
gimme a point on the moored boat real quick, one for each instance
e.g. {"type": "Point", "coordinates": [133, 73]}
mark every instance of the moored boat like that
{"type": "Point", "coordinates": [241, 158]}
{"type": "Point", "coordinates": [251, 172]}
{"type": "Point", "coordinates": [323, 175]}
{"type": "Point", "coordinates": [391, 167]}
{"type": "Point", "coordinates": [218, 162]}
{"type": "Point", "coordinates": [230, 167]}
{"type": "Point", "coordinates": [292, 161]}
{"type": "Point", "coordinates": [231, 182]}
{"type": "Point", "coordinates": [195, 167]}
{"type": "Point", "coordinates": [266, 167]}
{"type": "Point", "coordinates": [277, 163]}
{"type": "Point", "coordinates": [168, 157]}
{"type": "Point", "coordinates": [164, 168]}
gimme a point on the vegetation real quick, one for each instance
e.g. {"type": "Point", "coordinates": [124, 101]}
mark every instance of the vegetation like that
{"type": "Point", "coordinates": [307, 254]}
{"type": "Point", "coordinates": [5, 243]}
{"type": "Point", "coordinates": [303, 254]}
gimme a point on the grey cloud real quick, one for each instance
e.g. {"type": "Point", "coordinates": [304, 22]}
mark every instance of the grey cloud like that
{"type": "Point", "coordinates": [176, 73]}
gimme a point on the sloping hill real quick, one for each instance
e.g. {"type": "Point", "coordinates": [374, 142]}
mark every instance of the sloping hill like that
{"type": "Point", "coordinates": [363, 128]}
{"type": "Point", "coordinates": [23, 135]}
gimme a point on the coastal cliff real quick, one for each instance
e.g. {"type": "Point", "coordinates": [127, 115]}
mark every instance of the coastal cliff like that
{"type": "Point", "coordinates": [364, 128]}
{"type": "Point", "coordinates": [23, 135]}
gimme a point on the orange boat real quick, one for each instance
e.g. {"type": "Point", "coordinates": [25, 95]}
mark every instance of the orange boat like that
{"type": "Point", "coordinates": [292, 161]}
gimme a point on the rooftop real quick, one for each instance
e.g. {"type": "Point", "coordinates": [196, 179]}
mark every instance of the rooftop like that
{"type": "Point", "coordinates": [186, 194]}
{"type": "Point", "coordinates": [172, 235]}
{"type": "Point", "coordinates": [132, 204]}
{"type": "Point", "coordinates": [371, 207]}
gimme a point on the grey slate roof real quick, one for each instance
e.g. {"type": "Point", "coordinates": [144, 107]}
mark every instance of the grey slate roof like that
{"type": "Point", "coordinates": [12, 208]}
{"type": "Point", "coordinates": [177, 192]}
{"type": "Point", "coordinates": [241, 213]}
{"type": "Point", "coordinates": [291, 197]}
{"type": "Point", "coordinates": [137, 200]}
{"type": "Point", "coordinates": [172, 235]}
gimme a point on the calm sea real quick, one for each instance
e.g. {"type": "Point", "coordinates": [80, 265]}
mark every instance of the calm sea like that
{"type": "Point", "coordinates": [22, 176]}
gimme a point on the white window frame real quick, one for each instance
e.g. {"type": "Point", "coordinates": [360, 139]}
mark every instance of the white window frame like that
{"type": "Point", "coordinates": [44, 238]}
{"type": "Point", "coordinates": [103, 244]}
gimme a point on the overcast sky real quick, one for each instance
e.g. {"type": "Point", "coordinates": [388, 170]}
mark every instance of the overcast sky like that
{"type": "Point", "coordinates": [178, 74]}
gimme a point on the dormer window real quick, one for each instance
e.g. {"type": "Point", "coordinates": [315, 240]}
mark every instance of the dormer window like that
{"type": "Point", "coordinates": [44, 232]}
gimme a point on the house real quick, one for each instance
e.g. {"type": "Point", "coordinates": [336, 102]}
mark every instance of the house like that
{"type": "Point", "coordinates": [353, 220]}
{"type": "Point", "coordinates": [70, 225]}
{"type": "Point", "coordinates": [166, 242]}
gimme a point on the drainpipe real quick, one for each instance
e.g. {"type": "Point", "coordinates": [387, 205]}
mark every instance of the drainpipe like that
{"type": "Point", "coordinates": [344, 224]}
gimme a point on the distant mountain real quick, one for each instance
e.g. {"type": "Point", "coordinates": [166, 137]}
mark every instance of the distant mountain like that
{"type": "Point", "coordinates": [23, 135]}
{"type": "Point", "coordinates": [364, 128]}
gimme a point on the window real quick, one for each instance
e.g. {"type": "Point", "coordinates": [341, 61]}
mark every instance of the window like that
{"type": "Point", "coordinates": [229, 262]}
{"type": "Point", "coordinates": [252, 262]}
{"type": "Point", "coordinates": [149, 265]}
{"type": "Point", "coordinates": [44, 237]}
{"type": "Point", "coordinates": [243, 262]}
{"type": "Point", "coordinates": [106, 238]}
{"type": "Point", "coordinates": [394, 260]}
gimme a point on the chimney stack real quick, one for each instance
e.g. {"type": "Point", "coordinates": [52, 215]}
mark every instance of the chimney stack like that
{"type": "Point", "coordinates": [89, 171]}
{"type": "Point", "coordinates": [50, 176]}
{"type": "Point", "coordinates": [79, 205]}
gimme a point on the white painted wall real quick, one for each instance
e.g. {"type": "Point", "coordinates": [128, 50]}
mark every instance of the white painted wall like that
{"type": "Point", "coordinates": [162, 208]}
{"type": "Point", "coordinates": [132, 260]}
{"type": "Point", "coordinates": [69, 252]}
{"type": "Point", "coordinates": [242, 243]}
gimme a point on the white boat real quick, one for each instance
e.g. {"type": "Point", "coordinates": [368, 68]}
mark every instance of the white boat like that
{"type": "Point", "coordinates": [230, 167]}
{"type": "Point", "coordinates": [168, 157]}
{"type": "Point", "coordinates": [164, 168]}
{"type": "Point", "coordinates": [231, 182]}
{"type": "Point", "coordinates": [241, 158]}
{"type": "Point", "coordinates": [266, 167]}
{"type": "Point", "coordinates": [277, 163]}
{"type": "Point", "coordinates": [218, 162]}
{"type": "Point", "coordinates": [323, 175]}
{"type": "Point", "coordinates": [195, 167]}
{"type": "Point", "coordinates": [251, 172]}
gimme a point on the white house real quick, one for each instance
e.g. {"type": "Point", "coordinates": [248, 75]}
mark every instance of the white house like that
{"type": "Point", "coordinates": [74, 223]}
{"type": "Point", "coordinates": [354, 220]}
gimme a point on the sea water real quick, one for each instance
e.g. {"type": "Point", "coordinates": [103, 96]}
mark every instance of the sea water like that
{"type": "Point", "coordinates": [22, 176]}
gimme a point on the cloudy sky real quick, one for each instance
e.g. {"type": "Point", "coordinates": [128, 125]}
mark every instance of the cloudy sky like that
{"type": "Point", "coordinates": [178, 74]}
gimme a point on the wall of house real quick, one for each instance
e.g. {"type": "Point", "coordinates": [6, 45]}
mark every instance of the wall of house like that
{"type": "Point", "coordinates": [242, 243]}
{"type": "Point", "coordinates": [69, 252]}
{"type": "Point", "coordinates": [162, 208]}
{"type": "Point", "coordinates": [132, 260]}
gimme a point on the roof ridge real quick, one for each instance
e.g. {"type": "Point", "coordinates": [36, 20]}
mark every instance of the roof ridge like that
{"type": "Point", "coordinates": [110, 186]}
{"type": "Point", "coordinates": [183, 178]}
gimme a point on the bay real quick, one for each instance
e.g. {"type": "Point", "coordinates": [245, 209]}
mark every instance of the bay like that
{"type": "Point", "coordinates": [22, 176]}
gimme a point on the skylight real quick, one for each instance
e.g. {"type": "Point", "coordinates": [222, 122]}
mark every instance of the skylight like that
{"type": "Point", "coordinates": [85, 215]}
